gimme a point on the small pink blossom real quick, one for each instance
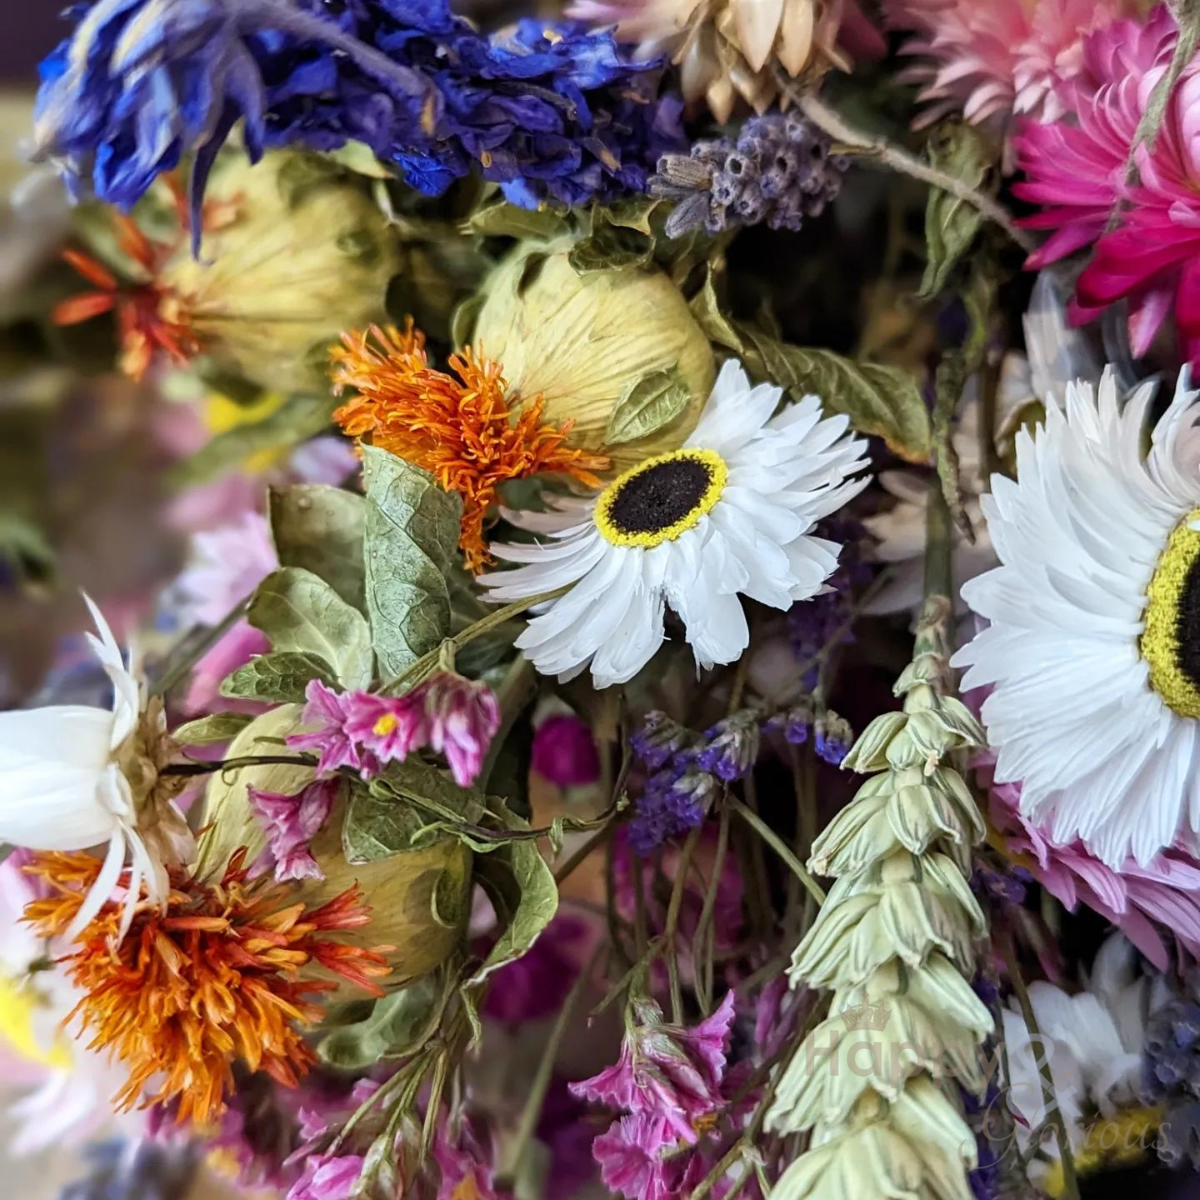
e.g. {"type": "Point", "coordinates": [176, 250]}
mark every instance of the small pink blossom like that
{"type": "Point", "coordinates": [564, 751]}
{"type": "Point", "coordinates": [463, 1171]}
{"type": "Point", "coordinates": [1166, 891]}
{"type": "Point", "coordinates": [631, 1159]}
{"type": "Point", "coordinates": [329, 712]}
{"type": "Point", "coordinates": [463, 719]}
{"type": "Point", "coordinates": [228, 563]}
{"type": "Point", "coordinates": [666, 1071]}
{"type": "Point", "coordinates": [242, 643]}
{"type": "Point", "coordinates": [328, 1177]}
{"type": "Point", "coordinates": [291, 822]}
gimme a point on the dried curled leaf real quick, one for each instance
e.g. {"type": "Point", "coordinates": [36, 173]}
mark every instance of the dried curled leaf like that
{"type": "Point", "coordinates": [216, 727]}
{"type": "Point", "coordinates": [651, 402]}
{"type": "Point", "coordinates": [951, 222]}
{"type": "Point", "coordinates": [320, 529]}
{"type": "Point", "coordinates": [280, 677]}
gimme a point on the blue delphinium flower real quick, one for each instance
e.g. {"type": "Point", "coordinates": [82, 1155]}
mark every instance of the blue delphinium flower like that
{"type": "Point", "coordinates": [133, 1170]}
{"type": "Point", "coordinates": [549, 111]}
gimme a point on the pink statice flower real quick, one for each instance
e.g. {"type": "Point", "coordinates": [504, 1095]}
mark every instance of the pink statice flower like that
{"type": "Point", "coordinates": [451, 715]}
{"type": "Point", "coordinates": [328, 1177]}
{"type": "Point", "coordinates": [993, 59]}
{"type": "Point", "coordinates": [463, 718]}
{"type": "Point", "coordinates": [634, 1160]}
{"type": "Point", "coordinates": [291, 823]}
{"type": "Point", "coordinates": [666, 1071]}
{"type": "Point", "coordinates": [564, 751]}
{"type": "Point", "coordinates": [1138, 900]}
{"type": "Point", "coordinates": [328, 714]}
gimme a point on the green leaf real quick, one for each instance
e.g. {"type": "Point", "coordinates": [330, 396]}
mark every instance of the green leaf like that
{"type": "Point", "coordinates": [634, 213]}
{"type": "Point", "coordinates": [523, 892]}
{"type": "Point", "coordinates": [881, 401]}
{"type": "Point", "coordinates": [951, 223]}
{"type": "Point", "coordinates": [412, 528]}
{"type": "Point", "coordinates": [280, 677]}
{"type": "Point", "coordinates": [298, 419]}
{"type": "Point", "coordinates": [706, 308]}
{"type": "Point", "coordinates": [302, 613]}
{"type": "Point", "coordinates": [216, 727]}
{"type": "Point", "coordinates": [378, 827]}
{"type": "Point", "coordinates": [646, 405]}
{"type": "Point", "coordinates": [508, 220]}
{"type": "Point", "coordinates": [617, 240]}
{"type": "Point", "coordinates": [416, 784]}
{"type": "Point", "coordinates": [320, 529]}
{"type": "Point", "coordinates": [397, 1024]}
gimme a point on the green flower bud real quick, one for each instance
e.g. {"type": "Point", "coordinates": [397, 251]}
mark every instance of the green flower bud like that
{"type": "Point", "coordinates": [305, 255]}
{"type": "Point", "coordinates": [580, 341]}
{"type": "Point", "coordinates": [869, 753]}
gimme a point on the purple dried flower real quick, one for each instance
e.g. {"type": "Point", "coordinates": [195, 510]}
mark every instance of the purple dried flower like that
{"type": "Point", "coordinates": [673, 801]}
{"type": "Point", "coordinates": [291, 823]}
{"type": "Point", "coordinates": [564, 751]}
{"type": "Point", "coordinates": [834, 737]}
{"type": "Point", "coordinates": [659, 740]}
{"type": "Point", "coordinates": [779, 171]}
{"type": "Point", "coordinates": [732, 746]}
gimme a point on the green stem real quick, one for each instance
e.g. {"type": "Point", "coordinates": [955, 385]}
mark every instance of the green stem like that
{"type": "Point", "coordinates": [178, 668]}
{"type": "Point", "coordinates": [939, 544]}
{"type": "Point", "coordinates": [1054, 1111]}
{"type": "Point", "coordinates": [673, 910]}
{"type": "Point", "coordinates": [428, 663]}
{"type": "Point", "coordinates": [780, 847]}
{"type": "Point", "coordinates": [536, 1097]}
{"type": "Point", "coordinates": [186, 770]}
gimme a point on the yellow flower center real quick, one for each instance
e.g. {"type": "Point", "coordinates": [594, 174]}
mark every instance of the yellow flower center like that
{"type": "Point", "coordinates": [18, 1003]}
{"type": "Point", "coordinates": [385, 725]}
{"type": "Point", "coordinates": [661, 498]}
{"type": "Point", "coordinates": [1170, 643]}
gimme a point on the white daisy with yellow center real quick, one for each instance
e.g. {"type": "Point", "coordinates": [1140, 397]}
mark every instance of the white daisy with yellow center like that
{"type": "Point", "coordinates": [1092, 649]}
{"type": "Point", "coordinates": [728, 515]}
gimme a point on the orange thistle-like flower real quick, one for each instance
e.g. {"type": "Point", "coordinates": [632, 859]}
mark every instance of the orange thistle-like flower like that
{"type": "Point", "coordinates": [149, 316]}
{"type": "Point", "coordinates": [461, 427]}
{"type": "Point", "coordinates": [214, 981]}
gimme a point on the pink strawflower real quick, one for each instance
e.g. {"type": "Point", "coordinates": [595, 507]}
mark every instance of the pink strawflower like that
{"type": "Point", "coordinates": [329, 712]}
{"type": "Point", "coordinates": [328, 1177]}
{"type": "Point", "coordinates": [291, 823]}
{"type": "Point", "coordinates": [1166, 891]}
{"type": "Point", "coordinates": [464, 717]}
{"type": "Point", "coordinates": [991, 59]}
{"type": "Point", "coordinates": [228, 563]}
{"type": "Point", "coordinates": [564, 751]}
{"type": "Point", "coordinates": [666, 1071]}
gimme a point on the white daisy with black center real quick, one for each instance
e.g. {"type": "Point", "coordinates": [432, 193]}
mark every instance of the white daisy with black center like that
{"type": "Point", "coordinates": [729, 514]}
{"type": "Point", "coordinates": [1092, 649]}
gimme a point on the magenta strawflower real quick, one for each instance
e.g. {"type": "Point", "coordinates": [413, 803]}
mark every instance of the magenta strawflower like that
{"type": "Point", "coordinates": [328, 712]}
{"type": "Point", "coordinates": [564, 751]}
{"type": "Point", "coordinates": [666, 1071]}
{"type": "Point", "coordinates": [291, 822]}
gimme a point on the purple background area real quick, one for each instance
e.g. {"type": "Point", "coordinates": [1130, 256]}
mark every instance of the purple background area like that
{"type": "Point", "coordinates": [28, 28]}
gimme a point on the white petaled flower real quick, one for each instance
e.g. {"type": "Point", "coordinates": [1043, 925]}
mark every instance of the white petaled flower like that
{"type": "Point", "coordinates": [728, 515]}
{"type": "Point", "coordinates": [1092, 651]}
{"type": "Point", "coordinates": [74, 777]}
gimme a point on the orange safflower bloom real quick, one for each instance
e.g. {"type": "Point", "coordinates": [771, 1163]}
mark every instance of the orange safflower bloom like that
{"type": "Point", "coordinates": [461, 427]}
{"type": "Point", "coordinates": [214, 981]}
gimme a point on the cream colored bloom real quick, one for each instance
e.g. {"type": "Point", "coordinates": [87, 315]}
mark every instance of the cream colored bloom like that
{"type": "Point", "coordinates": [73, 777]}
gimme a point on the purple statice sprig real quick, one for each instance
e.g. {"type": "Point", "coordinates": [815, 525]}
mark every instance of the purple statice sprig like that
{"type": "Point", "coordinates": [831, 735]}
{"type": "Point", "coordinates": [779, 172]}
{"type": "Point", "coordinates": [687, 772]}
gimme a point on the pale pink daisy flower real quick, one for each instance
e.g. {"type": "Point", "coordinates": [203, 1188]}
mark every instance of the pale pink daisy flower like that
{"type": "Point", "coordinates": [1141, 901]}
{"type": "Point", "coordinates": [993, 59]}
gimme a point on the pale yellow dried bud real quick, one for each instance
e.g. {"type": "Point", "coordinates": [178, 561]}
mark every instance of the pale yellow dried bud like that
{"type": "Point", "coordinates": [306, 255]}
{"type": "Point", "coordinates": [580, 341]}
{"type": "Point", "coordinates": [933, 733]}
